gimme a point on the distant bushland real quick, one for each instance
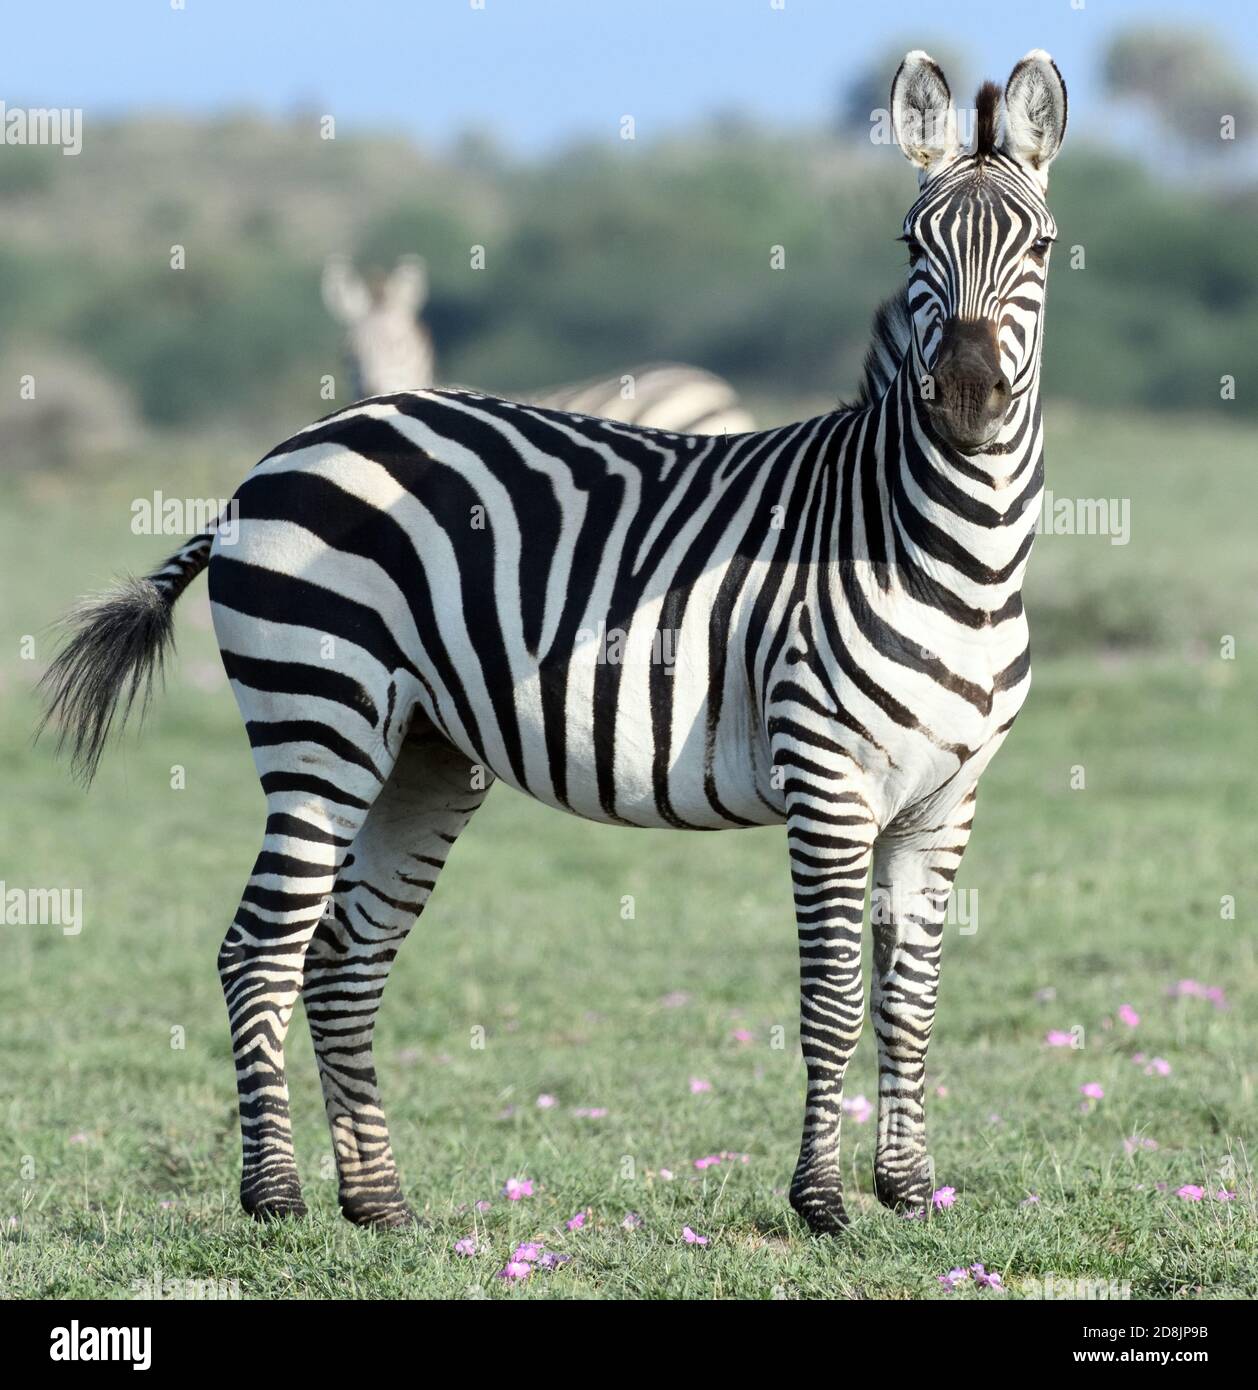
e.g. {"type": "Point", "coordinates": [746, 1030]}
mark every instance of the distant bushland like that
{"type": "Point", "coordinates": [594, 259]}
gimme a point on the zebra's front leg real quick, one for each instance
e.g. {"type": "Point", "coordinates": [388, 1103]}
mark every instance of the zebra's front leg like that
{"type": "Point", "coordinates": [830, 833]}
{"type": "Point", "coordinates": [913, 878]}
{"type": "Point", "coordinates": [383, 887]}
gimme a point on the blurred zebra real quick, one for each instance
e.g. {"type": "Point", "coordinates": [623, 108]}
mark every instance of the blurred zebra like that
{"type": "Point", "coordinates": [391, 350]}
{"type": "Point", "coordinates": [819, 625]}
{"type": "Point", "coordinates": [388, 346]}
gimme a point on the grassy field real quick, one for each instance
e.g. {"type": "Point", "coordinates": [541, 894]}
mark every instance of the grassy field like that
{"type": "Point", "coordinates": [120, 1159]}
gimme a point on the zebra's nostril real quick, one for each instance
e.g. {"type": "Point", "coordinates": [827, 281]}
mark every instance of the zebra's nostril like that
{"type": "Point", "coordinates": [998, 396]}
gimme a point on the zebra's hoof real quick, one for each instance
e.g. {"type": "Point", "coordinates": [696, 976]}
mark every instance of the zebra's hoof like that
{"type": "Point", "coordinates": [273, 1199]}
{"type": "Point", "coordinates": [388, 1216]}
{"type": "Point", "coordinates": [904, 1191]}
{"type": "Point", "coordinates": [824, 1215]}
{"type": "Point", "coordinates": [824, 1221]}
{"type": "Point", "coordinates": [273, 1208]}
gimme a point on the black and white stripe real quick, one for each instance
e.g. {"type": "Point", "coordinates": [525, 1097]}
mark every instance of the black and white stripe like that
{"type": "Point", "coordinates": [818, 626]}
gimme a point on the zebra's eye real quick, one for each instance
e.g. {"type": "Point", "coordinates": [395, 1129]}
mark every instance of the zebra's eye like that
{"type": "Point", "coordinates": [1039, 248]}
{"type": "Point", "coordinates": [916, 250]}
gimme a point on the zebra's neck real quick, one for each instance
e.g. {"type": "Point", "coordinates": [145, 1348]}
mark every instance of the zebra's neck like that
{"type": "Point", "coordinates": [962, 522]}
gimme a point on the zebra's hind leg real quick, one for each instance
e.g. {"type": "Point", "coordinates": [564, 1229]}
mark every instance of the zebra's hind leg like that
{"type": "Point", "coordinates": [319, 747]}
{"type": "Point", "coordinates": [913, 876]}
{"type": "Point", "coordinates": [310, 826]}
{"type": "Point", "coordinates": [830, 834]}
{"type": "Point", "coordinates": [383, 886]}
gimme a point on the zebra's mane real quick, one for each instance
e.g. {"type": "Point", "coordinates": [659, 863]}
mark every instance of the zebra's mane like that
{"type": "Point", "coordinates": [892, 327]}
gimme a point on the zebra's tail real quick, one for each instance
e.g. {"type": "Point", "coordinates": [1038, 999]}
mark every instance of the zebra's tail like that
{"type": "Point", "coordinates": [115, 649]}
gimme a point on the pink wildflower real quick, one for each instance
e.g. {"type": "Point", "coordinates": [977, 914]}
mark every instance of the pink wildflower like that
{"type": "Point", "coordinates": [1128, 1015]}
{"type": "Point", "coordinates": [1223, 1195]}
{"type": "Point", "coordinates": [741, 1035]}
{"type": "Point", "coordinates": [515, 1269]}
{"type": "Point", "coordinates": [943, 1197]}
{"type": "Point", "coordinates": [526, 1252]}
{"type": "Point", "coordinates": [1190, 1192]}
{"type": "Point", "coordinates": [574, 1223]}
{"type": "Point", "coordinates": [691, 1237]}
{"type": "Point", "coordinates": [1056, 1037]}
{"type": "Point", "coordinates": [858, 1108]}
{"type": "Point", "coordinates": [545, 1102]}
{"type": "Point", "coordinates": [465, 1247]}
{"type": "Point", "coordinates": [632, 1221]}
{"type": "Point", "coordinates": [516, 1188]}
{"type": "Point", "coordinates": [698, 1086]}
{"type": "Point", "coordinates": [1092, 1090]}
{"type": "Point", "coordinates": [1196, 990]}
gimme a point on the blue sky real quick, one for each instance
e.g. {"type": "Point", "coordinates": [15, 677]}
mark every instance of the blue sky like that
{"type": "Point", "coordinates": [539, 73]}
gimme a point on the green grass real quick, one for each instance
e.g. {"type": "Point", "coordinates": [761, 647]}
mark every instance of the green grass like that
{"type": "Point", "coordinates": [120, 1155]}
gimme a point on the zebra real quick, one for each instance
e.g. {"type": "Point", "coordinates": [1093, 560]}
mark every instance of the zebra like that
{"type": "Point", "coordinates": [657, 395]}
{"type": "Point", "coordinates": [389, 347]}
{"type": "Point", "coordinates": [391, 350]}
{"type": "Point", "coordinates": [415, 605]}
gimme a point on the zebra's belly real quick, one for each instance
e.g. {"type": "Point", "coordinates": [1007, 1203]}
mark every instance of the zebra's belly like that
{"type": "Point", "coordinates": [627, 747]}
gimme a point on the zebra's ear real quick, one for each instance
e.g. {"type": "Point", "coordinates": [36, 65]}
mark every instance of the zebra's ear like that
{"type": "Point", "coordinates": [407, 286]}
{"type": "Point", "coordinates": [1035, 113]}
{"type": "Point", "coordinates": [922, 113]}
{"type": "Point", "coordinates": [345, 296]}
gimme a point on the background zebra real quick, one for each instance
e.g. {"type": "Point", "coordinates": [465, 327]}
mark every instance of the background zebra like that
{"type": "Point", "coordinates": [819, 625]}
{"type": "Point", "coordinates": [388, 346]}
{"type": "Point", "coordinates": [391, 350]}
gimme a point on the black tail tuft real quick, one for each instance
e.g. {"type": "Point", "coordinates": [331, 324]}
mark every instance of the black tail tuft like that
{"type": "Point", "coordinates": [116, 649]}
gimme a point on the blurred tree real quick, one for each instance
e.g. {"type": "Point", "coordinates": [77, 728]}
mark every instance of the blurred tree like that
{"type": "Point", "coordinates": [1188, 79]}
{"type": "Point", "coordinates": [594, 257]}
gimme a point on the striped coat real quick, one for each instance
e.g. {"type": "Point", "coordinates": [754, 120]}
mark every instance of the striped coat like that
{"type": "Point", "coordinates": [818, 626]}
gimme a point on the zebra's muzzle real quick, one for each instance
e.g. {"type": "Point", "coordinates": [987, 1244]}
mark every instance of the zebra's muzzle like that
{"type": "Point", "coordinates": [967, 396]}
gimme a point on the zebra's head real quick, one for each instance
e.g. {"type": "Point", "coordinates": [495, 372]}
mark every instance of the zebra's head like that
{"type": "Point", "coordinates": [978, 236]}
